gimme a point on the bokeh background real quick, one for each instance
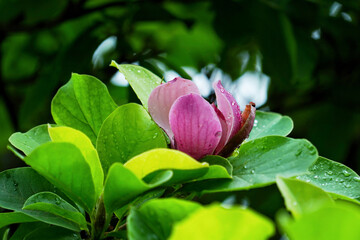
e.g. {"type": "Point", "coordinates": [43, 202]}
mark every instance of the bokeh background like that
{"type": "Point", "coordinates": [299, 58]}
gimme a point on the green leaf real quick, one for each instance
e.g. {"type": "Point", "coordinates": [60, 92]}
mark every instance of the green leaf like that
{"type": "Point", "coordinates": [140, 79]}
{"type": "Point", "coordinates": [301, 197]}
{"type": "Point", "coordinates": [215, 172]}
{"type": "Point", "coordinates": [53, 233]}
{"type": "Point", "coordinates": [27, 142]}
{"type": "Point", "coordinates": [83, 103]}
{"type": "Point", "coordinates": [163, 159]}
{"type": "Point", "coordinates": [50, 208]}
{"type": "Point", "coordinates": [269, 123]}
{"type": "Point", "coordinates": [216, 222]}
{"type": "Point", "coordinates": [122, 186]}
{"type": "Point", "coordinates": [14, 217]}
{"type": "Point", "coordinates": [25, 229]}
{"type": "Point", "coordinates": [333, 177]}
{"type": "Point", "coordinates": [218, 160]}
{"type": "Point", "coordinates": [154, 219]}
{"type": "Point", "coordinates": [83, 143]}
{"type": "Point", "coordinates": [18, 184]}
{"type": "Point", "coordinates": [127, 132]}
{"type": "Point", "coordinates": [65, 167]}
{"type": "Point", "coordinates": [331, 223]}
{"type": "Point", "coordinates": [259, 162]}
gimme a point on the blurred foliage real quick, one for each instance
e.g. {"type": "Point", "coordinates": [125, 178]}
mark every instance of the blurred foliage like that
{"type": "Point", "coordinates": [309, 49]}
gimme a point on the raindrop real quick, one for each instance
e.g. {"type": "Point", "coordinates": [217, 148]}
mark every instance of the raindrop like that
{"type": "Point", "coordinates": [298, 152]}
{"type": "Point", "coordinates": [252, 171]}
{"type": "Point", "coordinates": [57, 201]}
{"type": "Point", "coordinates": [155, 135]}
{"type": "Point", "coordinates": [357, 179]}
{"type": "Point", "coordinates": [307, 180]}
{"type": "Point", "coordinates": [233, 103]}
{"type": "Point", "coordinates": [329, 172]}
{"type": "Point", "coordinates": [316, 176]}
{"type": "Point", "coordinates": [245, 167]}
{"type": "Point", "coordinates": [346, 173]}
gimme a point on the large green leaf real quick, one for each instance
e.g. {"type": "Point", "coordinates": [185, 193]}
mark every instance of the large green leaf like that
{"type": "Point", "coordinates": [122, 186]}
{"type": "Point", "coordinates": [334, 177]}
{"type": "Point", "coordinates": [25, 229]}
{"type": "Point", "coordinates": [302, 197]}
{"type": "Point", "coordinates": [18, 184]}
{"type": "Point", "coordinates": [184, 167]}
{"type": "Point", "coordinates": [83, 143]}
{"type": "Point", "coordinates": [259, 162]}
{"type": "Point", "coordinates": [53, 233]}
{"type": "Point", "coordinates": [127, 132]}
{"type": "Point", "coordinates": [154, 219]}
{"type": "Point", "coordinates": [330, 223]}
{"type": "Point", "coordinates": [216, 222]}
{"type": "Point", "coordinates": [269, 123]}
{"type": "Point", "coordinates": [50, 208]}
{"type": "Point", "coordinates": [65, 167]}
{"type": "Point", "coordinates": [83, 103]}
{"type": "Point", "coordinates": [27, 142]}
{"type": "Point", "coordinates": [140, 79]}
{"type": "Point", "coordinates": [14, 217]}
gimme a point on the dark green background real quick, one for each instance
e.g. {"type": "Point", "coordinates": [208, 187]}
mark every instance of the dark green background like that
{"type": "Point", "coordinates": [314, 81]}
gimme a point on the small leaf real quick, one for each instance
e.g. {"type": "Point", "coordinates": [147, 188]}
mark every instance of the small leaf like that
{"type": "Point", "coordinates": [301, 197]}
{"type": "Point", "coordinates": [14, 217]}
{"type": "Point", "coordinates": [333, 177]}
{"type": "Point", "coordinates": [140, 79]}
{"type": "Point", "coordinates": [163, 159]}
{"type": "Point", "coordinates": [53, 233]}
{"type": "Point", "coordinates": [218, 160]}
{"type": "Point", "coordinates": [341, 221]}
{"type": "Point", "coordinates": [83, 103]}
{"type": "Point", "coordinates": [122, 186]}
{"type": "Point", "coordinates": [65, 167]}
{"type": "Point", "coordinates": [127, 132]}
{"type": "Point", "coordinates": [269, 123]}
{"type": "Point", "coordinates": [50, 208]}
{"type": "Point", "coordinates": [18, 184]}
{"type": "Point", "coordinates": [27, 142]}
{"type": "Point", "coordinates": [215, 222]}
{"type": "Point", "coordinates": [83, 143]}
{"type": "Point", "coordinates": [155, 218]}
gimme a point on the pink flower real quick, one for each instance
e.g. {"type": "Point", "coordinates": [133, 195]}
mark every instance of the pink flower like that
{"type": "Point", "coordinates": [195, 126]}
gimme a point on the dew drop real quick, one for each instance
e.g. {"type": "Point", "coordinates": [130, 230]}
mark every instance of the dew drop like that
{"type": "Point", "coordinates": [329, 172]}
{"type": "Point", "coordinates": [298, 152]}
{"type": "Point", "coordinates": [316, 176]}
{"type": "Point", "coordinates": [357, 179]}
{"type": "Point", "coordinates": [252, 171]}
{"type": "Point", "coordinates": [346, 173]}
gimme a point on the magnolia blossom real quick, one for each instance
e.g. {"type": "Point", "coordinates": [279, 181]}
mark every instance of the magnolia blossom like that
{"type": "Point", "coordinates": [195, 126]}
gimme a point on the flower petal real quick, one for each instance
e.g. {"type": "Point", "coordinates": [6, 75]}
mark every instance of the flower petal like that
{"type": "Point", "coordinates": [230, 109]}
{"type": "Point", "coordinates": [248, 116]}
{"type": "Point", "coordinates": [162, 98]}
{"type": "Point", "coordinates": [195, 125]}
{"type": "Point", "coordinates": [224, 136]}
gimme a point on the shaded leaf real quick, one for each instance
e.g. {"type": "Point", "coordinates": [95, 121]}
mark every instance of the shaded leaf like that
{"type": "Point", "coordinates": [50, 208]}
{"type": "Point", "coordinates": [14, 217]}
{"type": "Point", "coordinates": [18, 184]}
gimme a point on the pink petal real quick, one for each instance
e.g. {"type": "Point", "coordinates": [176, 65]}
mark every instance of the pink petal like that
{"type": "Point", "coordinates": [162, 98]}
{"type": "Point", "coordinates": [196, 126]}
{"type": "Point", "coordinates": [249, 117]}
{"type": "Point", "coordinates": [230, 109]}
{"type": "Point", "coordinates": [224, 136]}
